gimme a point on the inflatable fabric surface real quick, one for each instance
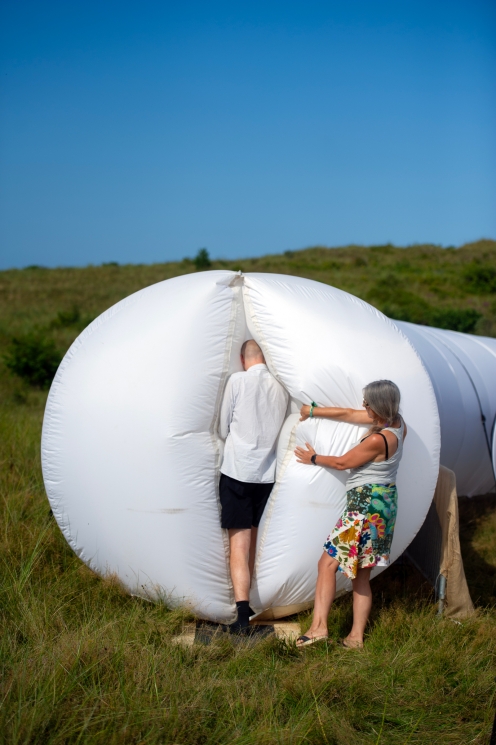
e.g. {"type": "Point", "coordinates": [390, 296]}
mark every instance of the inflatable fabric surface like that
{"type": "Point", "coordinates": [462, 368]}
{"type": "Point", "coordinates": [131, 454]}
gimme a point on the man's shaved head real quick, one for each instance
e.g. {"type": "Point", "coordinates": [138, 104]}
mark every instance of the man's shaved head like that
{"type": "Point", "coordinates": [252, 353]}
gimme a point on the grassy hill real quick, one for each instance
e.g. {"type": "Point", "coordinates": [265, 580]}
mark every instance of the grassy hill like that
{"type": "Point", "coordinates": [449, 288]}
{"type": "Point", "coordinates": [83, 663]}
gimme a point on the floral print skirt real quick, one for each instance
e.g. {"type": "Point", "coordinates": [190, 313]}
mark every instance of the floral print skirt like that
{"type": "Point", "coordinates": [363, 534]}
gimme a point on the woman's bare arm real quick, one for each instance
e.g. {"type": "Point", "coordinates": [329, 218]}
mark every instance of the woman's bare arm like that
{"type": "Point", "coordinates": [363, 453]}
{"type": "Point", "coordinates": [351, 416]}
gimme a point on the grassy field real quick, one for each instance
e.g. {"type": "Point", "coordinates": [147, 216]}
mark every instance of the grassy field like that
{"type": "Point", "coordinates": [81, 662]}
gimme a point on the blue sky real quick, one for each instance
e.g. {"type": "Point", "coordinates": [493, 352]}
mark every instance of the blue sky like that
{"type": "Point", "coordinates": [140, 132]}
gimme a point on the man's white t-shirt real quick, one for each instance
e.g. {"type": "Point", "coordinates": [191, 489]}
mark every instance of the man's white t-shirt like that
{"type": "Point", "coordinates": [251, 416]}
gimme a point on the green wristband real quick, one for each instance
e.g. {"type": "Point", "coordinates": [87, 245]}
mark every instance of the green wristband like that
{"type": "Point", "coordinates": [312, 407]}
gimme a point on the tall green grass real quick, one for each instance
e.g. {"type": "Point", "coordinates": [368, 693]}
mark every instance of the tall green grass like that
{"type": "Point", "coordinates": [82, 662]}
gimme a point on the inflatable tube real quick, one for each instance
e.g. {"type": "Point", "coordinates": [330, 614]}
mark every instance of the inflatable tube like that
{"type": "Point", "coordinates": [130, 450]}
{"type": "Point", "coordinates": [463, 371]}
{"type": "Point", "coordinates": [489, 344]}
{"type": "Point", "coordinates": [494, 447]}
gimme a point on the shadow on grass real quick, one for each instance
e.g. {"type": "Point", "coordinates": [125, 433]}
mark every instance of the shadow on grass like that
{"type": "Point", "coordinates": [402, 581]}
{"type": "Point", "coordinates": [481, 576]}
{"type": "Point", "coordinates": [401, 584]}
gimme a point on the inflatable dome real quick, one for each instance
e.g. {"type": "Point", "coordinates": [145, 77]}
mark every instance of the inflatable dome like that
{"type": "Point", "coordinates": [131, 453]}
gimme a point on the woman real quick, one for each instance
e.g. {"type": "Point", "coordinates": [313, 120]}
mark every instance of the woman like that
{"type": "Point", "coordinates": [362, 536]}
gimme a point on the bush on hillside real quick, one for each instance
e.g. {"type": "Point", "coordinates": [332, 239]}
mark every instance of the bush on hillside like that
{"type": "Point", "coordinates": [385, 248]}
{"type": "Point", "coordinates": [456, 319]}
{"type": "Point", "coordinates": [33, 357]}
{"type": "Point", "coordinates": [202, 260]}
{"type": "Point", "coordinates": [389, 295]}
{"type": "Point", "coordinates": [480, 278]}
{"type": "Point", "coordinates": [402, 305]}
{"type": "Point", "coordinates": [71, 318]}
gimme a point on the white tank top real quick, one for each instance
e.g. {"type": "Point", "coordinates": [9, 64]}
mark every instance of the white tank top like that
{"type": "Point", "coordinates": [379, 473]}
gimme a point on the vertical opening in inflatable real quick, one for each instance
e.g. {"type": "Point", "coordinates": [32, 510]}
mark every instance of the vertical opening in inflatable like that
{"type": "Point", "coordinates": [242, 329]}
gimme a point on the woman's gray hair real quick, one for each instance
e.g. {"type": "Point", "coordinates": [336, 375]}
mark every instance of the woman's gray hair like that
{"type": "Point", "coordinates": [383, 397]}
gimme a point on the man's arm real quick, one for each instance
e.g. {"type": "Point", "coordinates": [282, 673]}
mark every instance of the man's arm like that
{"type": "Point", "coordinates": [226, 410]}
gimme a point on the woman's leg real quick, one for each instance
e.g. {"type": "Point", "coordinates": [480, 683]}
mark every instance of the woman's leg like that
{"type": "Point", "coordinates": [324, 595]}
{"type": "Point", "coordinates": [362, 603]}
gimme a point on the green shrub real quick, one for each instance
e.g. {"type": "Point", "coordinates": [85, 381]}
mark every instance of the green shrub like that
{"type": "Point", "coordinates": [202, 260]}
{"type": "Point", "coordinates": [72, 318]}
{"type": "Point", "coordinates": [33, 357]}
{"type": "Point", "coordinates": [413, 310]}
{"type": "Point", "coordinates": [68, 317]}
{"type": "Point", "coordinates": [389, 295]}
{"type": "Point", "coordinates": [417, 310]}
{"type": "Point", "coordinates": [359, 261]}
{"type": "Point", "coordinates": [480, 278]}
{"type": "Point", "coordinates": [386, 248]}
{"type": "Point", "coordinates": [456, 319]}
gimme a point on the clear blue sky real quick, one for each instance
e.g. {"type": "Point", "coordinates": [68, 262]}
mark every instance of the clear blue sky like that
{"type": "Point", "coordinates": [142, 131]}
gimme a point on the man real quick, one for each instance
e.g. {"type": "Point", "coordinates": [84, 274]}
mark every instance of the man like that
{"type": "Point", "coordinates": [252, 412]}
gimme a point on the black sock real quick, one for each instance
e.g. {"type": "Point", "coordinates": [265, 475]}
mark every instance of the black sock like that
{"type": "Point", "coordinates": [242, 623]}
{"type": "Point", "coordinates": [244, 609]}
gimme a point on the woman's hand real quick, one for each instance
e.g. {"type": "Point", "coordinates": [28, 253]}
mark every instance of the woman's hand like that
{"type": "Point", "coordinates": [305, 456]}
{"type": "Point", "coordinates": [305, 412]}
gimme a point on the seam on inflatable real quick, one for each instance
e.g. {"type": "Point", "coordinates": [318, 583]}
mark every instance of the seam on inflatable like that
{"type": "Point", "coordinates": [287, 457]}
{"type": "Point", "coordinates": [434, 337]}
{"type": "Point", "coordinates": [261, 338]}
{"type": "Point", "coordinates": [449, 363]}
{"type": "Point", "coordinates": [213, 427]}
{"type": "Point", "coordinates": [481, 410]}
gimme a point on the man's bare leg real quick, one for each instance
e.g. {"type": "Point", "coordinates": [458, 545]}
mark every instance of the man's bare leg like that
{"type": "Point", "coordinates": [239, 544]}
{"type": "Point", "coordinates": [241, 565]}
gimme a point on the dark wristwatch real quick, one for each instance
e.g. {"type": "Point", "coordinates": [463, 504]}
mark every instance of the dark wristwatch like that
{"type": "Point", "coordinates": [314, 458]}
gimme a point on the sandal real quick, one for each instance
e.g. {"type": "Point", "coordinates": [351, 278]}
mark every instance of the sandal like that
{"type": "Point", "coordinates": [306, 641]}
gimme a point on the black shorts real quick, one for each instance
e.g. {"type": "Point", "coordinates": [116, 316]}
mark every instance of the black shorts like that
{"type": "Point", "coordinates": [242, 504]}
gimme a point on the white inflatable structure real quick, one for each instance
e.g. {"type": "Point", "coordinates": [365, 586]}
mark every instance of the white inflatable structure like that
{"type": "Point", "coordinates": [463, 371]}
{"type": "Point", "coordinates": [131, 454]}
